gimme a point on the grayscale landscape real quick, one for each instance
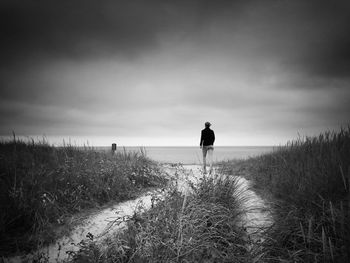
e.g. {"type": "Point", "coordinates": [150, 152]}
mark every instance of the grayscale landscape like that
{"type": "Point", "coordinates": [174, 131]}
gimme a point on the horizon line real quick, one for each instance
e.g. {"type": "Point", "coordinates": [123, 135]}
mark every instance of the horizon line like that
{"type": "Point", "coordinates": [145, 146]}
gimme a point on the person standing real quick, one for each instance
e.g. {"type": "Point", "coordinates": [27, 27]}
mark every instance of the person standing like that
{"type": "Point", "coordinates": [207, 146]}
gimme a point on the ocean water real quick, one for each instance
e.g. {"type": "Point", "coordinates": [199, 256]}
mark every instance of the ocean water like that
{"type": "Point", "coordinates": [193, 155]}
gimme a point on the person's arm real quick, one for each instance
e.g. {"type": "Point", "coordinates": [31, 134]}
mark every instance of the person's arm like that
{"type": "Point", "coordinates": [201, 141]}
{"type": "Point", "coordinates": [213, 137]}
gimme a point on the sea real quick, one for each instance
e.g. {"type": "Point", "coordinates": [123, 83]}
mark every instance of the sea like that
{"type": "Point", "coordinates": [193, 155]}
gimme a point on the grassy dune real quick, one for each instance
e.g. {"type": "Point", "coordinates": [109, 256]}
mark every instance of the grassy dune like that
{"type": "Point", "coordinates": [308, 183]}
{"type": "Point", "coordinates": [41, 186]}
{"type": "Point", "coordinates": [199, 227]}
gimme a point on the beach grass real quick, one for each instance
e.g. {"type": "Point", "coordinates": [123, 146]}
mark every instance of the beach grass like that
{"type": "Point", "coordinates": [307, 182]}
{"type": "Point", "coordinates": [200, 226]}
{"type": "Point", "coordinates": [42, 186]}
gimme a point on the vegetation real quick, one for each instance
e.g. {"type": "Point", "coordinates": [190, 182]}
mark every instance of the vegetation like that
{"type": "Point", "coordinates": [199, 227]}
{"type": "Point", "coordinates": [308, 182]}
{"type": "Point", "coordinates": [41, 186]}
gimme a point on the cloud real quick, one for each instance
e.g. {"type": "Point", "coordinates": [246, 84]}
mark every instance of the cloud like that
{"type": "Point", "coordinates": [81, 29]}
{"type": "Point", "coordinates": [75, 28]}
{"type": "Point", "coordinates": [310, 36]}
{"type": "Point", "coordinates": [162, 68]}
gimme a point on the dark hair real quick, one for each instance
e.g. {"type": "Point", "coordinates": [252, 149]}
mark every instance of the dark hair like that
{"type": "Point", "coordinates": [207, 124]}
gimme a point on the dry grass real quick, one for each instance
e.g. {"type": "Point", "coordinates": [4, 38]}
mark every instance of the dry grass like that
{"type": "Point", "coordinates": [41, 186]}
{"type": "Point", "coordinates": [200, 227]}
{"type": "Point", "coordinates": [308, 180]}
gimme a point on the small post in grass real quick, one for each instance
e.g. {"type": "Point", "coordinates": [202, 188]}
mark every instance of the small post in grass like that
{"type": "Point", "coordinates": [114, 148]}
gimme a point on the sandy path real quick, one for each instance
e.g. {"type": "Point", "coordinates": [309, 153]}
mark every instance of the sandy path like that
{"type": "Point", "coordinates": [104, 222]}
{"type": "Point", "coordinates": [100, 224]}
{"type": "Point", "coordinates": [256, 217]}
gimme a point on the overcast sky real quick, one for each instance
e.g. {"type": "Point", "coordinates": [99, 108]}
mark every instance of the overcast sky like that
{"type": "Point", "coordinates": [152, 72]}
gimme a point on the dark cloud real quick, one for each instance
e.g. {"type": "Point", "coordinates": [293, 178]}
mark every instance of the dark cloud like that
{"type": "Point", "coordinates": [74, 28]}
{"type": "Point", "coordinates": [334, 60]}
{"type": "Point", "coordinates": [72, 66]}
{"type": "Point", "coordinates": [85, 28]}
{"type": "Point", "coordinates": [320, 39]}
{"type": "Point", "coordinates": [306, 35]}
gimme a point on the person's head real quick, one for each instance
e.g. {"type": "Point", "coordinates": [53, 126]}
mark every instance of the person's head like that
{"type": "Point", "coordinates": [207, 124]}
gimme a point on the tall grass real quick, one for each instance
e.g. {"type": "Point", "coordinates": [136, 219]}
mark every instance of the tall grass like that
{"type": "Point", "coordinates": [309, 181]}
{"type": "Point", "coordinates": [42, 185]}
{"type": "Point", "coordinates": [202, 226]}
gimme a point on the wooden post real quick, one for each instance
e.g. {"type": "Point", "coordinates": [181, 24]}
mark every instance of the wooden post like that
{"type": "Point", "coordinates": [114, 148]}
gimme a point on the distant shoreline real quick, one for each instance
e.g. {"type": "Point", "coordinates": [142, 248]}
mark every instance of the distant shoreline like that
{"type": "Point", "coordinates": [215, 146]}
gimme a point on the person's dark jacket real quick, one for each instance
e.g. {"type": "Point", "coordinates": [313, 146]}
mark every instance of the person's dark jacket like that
{"type": "Point", "coordinates": [207, 137]}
